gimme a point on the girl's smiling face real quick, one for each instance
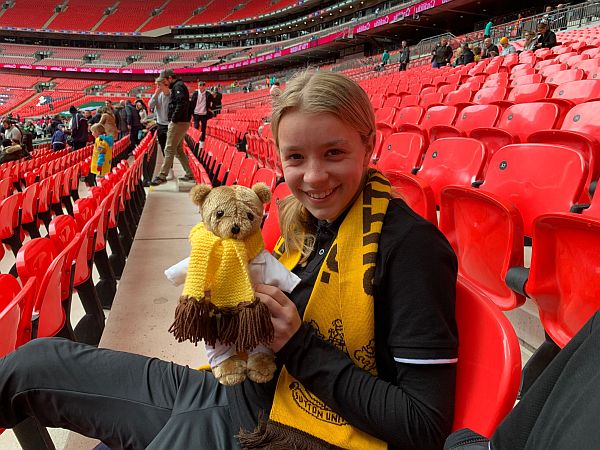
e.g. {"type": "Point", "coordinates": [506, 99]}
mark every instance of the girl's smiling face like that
{"type": "Point", "coordinates": [324, 161]}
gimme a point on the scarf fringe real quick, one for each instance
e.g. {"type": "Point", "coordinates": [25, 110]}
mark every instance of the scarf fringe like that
{"type": "Point", "coordinates": [276, 436]}
{"type": "Point", "coordinates": [245, 326]}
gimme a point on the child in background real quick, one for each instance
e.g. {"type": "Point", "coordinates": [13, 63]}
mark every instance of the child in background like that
{"type": "Point", "coordinates": [59, 138]}
{"type": "Point", "coordinates": [102, 154]}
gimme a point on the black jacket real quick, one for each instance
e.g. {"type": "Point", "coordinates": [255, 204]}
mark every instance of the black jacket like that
{"type": "Point", "coordinates": [210, 105]}
{"type": "Point", "coordinates": [487, 51]}
{"type": "Point", "coordinates": [132, 116]}
{"type": "Point", "coordinates": [404, 55]}
{"type": "Point", "coordinates": [547, 40]}
{"type": "Point", "coordinates": [79, 128]}
{"type": "Point", "coordinates": [466, 57]}
{"type": "Point", "coordinates": [217, 99]}
{"type": "Point", "coordinates": [180, 109]}
{"type": "Point", "coordinates": [442, 54]}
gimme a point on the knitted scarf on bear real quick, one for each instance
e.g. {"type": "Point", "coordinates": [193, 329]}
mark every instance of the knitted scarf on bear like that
{"type": "Point", "coordinates": [218, 301]}
{"type": "Point", "coordinates": [341, 310]}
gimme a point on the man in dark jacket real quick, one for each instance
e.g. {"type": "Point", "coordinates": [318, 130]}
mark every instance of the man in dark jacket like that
{"type": "Point", "coordinates": [179, 115]}
{"type": "Point", "coordinates": [490, 49]}
{"type": "Point", "coordinates": [404, 56]}
{"type": "Point", "coordinates": [202, 104]}
{"type": "Point", "coordinates": [79, 128]}
{"type": "Point", "coordinates": [217, 100]}
{"type": "Point", "coordinates": [441, 54]}
{"type": "Point", "coordinates": [466, 56]}
{"type": "Point", "coordinates": [547, 37]}
{"type": "Point", "coordinates": [134, 124]}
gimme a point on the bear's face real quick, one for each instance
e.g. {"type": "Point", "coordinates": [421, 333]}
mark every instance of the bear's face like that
{"type": "Point", "coordinates": [232, 211]}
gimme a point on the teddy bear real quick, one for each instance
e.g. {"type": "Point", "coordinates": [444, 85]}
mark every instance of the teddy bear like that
{"type": "Point", "coordinates": [218, 304]}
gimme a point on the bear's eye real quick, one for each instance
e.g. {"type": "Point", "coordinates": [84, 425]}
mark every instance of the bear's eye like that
{"type": "Point", "coordinates": [220, 214]}
{"type": "Point", "coordinates": [250, 216]}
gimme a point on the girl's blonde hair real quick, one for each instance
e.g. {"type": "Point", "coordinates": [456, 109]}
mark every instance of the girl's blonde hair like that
{"type": "Point", "coordinates": [99, 128]}
{"type": "Point", "coordinates": [314, 93]}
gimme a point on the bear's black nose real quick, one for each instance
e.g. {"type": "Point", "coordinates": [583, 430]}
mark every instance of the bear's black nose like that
{"type": "Point", "coordinates": [235, 229]}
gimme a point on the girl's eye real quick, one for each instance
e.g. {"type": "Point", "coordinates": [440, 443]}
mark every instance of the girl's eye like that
{"type": "Point", "coordinates": [295, 156]}
{"type": "Point", "coordinates": [220, 214]}
{"type": "Point", "coordinates": [334, 152]}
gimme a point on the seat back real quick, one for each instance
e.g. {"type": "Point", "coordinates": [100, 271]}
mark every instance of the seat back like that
{"type": "Point", "coordinates": [489, 363]}
{"type": "Point", "coordinates": [9, 215]}
{"type": "Point", "coordinates": [14, 333]}
{"type": "Point", "coordinates": [477, 116]}
{"type": "Point", "coordinates": [523, 119]}
{"type": "Point", "coordinates": [385, 115]}
{"type": "Point", "coordinates": [29, 203]}
{"type": "Point", "coordinates": [266, 176]}
{"type": "Point", "coordinates": [453, 161]}
{"type": "Point", "coordinates": [438, 115]}
{"type": "Point", "coordinates": [35, 258]}
{"type": "Point", "coordinates": [409, 114]}
{"type": "Point", "coordinates": [270, 229]}
{"type": "Point", "coordinates": [246, 173]}
{"type": "Point", "coordinates": [526, 79]}
{"type": "Point", "coordinates": [584, 119]}
{"type": "Point", "coordinates": [6, 188]}
{"type": "Point", "coordinates": [402, 152]}
{"type": "Point", "coordinates": [578, 91]}
{"type": "Point", "coordinates": [234, 169]}
{"type": "Point", "coordinates": [103, 222]}
{"type": "Point", "coordinates": [529, 93]}
{"type": "Point", "coordinates": [486, 233]}
{"type": "Point", "coordinates": [83, 210]}
{"type": "Point", "coordinates": [417, 194]}
{"type": "Point", "coordinates": [564, 76]}
{"type": "Point", "coordinates": [488, 95]}
{"type": "Point", "coordinates": [563, 279]}
{"type": "Point", "coordinates": [537, 178]}
{"type": "Point", "coordinates": [458, 96]}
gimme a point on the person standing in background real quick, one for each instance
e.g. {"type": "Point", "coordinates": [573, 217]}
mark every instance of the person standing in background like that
{"type": "Point", "coordinates": [179, 114]}
{"type": "Point", "coordinates": [202, 102]}
{"type": "Point", "coordinates": [404, 56]}
{"type": "Point", "coordinates": [159, 103]}
{"type": "Point", "coordinates": [487, 32]}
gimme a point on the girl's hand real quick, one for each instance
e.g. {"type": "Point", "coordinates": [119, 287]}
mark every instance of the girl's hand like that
{"type": "Point", "coordinates": [284, 314]}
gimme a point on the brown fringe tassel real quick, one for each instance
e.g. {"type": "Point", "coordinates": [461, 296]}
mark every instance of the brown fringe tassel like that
{"type": "Point", "coordinates": [229, 326]}
{"type": "Point", "coordinates": [194, 321]}
{"type": "Point", "coordinates": [275, 436]}
{"type": "Point", "coordinates": [255, 326]}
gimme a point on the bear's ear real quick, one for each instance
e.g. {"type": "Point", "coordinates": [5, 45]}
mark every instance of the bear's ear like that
{"type": "Point", "coordinates": [199, 193]}
{"type": "Point", "coordinates": [263, 192]}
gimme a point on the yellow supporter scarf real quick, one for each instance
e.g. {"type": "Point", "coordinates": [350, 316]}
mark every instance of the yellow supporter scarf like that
{"type": "Point", "coordinates": [218, 301]}
{"type": "Point", "coordinates": [299, 420]}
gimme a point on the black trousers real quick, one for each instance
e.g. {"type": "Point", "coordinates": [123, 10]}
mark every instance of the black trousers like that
{"type": "Point", "coordinates": [127, 401]}
{"type": "Point", "coordinates": [161, 135]}
{"type": "Point", "coordinates": [201, 119]}
{"type": "Point", "coordinates": [403, 66]}
{"type": "Point", "coordinates": [133, 139]}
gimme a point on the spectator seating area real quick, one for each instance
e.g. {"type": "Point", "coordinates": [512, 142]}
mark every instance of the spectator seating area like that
{"type": "Point", "coordinates": [502, 155]}
{"type": "Point", "coordinates": [133, 15]}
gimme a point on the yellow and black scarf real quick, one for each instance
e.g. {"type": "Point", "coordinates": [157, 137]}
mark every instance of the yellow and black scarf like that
{"type": "Point", "coordinates": [300, 420]}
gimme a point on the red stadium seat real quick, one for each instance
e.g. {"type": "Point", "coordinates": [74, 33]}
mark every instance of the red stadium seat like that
{"type": "Point", "coordinates": [270, 229]}
{"type": "Point", "coordinates": [266, 176]}
{"type": "Point", "coordinates": [488, 372]}
{"type": "Point", "coordinates": [16, 308]}
{"type": "Point", "coordinates": [453, 161]}
{"type": "Point", "coordinates": [9, 222]}
{"type": "Point", "coordinates": [247, 170]}
{"type": "Point", "coordinates": [402, 152]}
{"type": "Point", "coordinates": [565, 75]}
{"type": "Point", "coordinates": [526, 79]}
{"type": "Point", "coordinates": [528, 93]}
{"type": "Point", "coordinates": [409, 114]}
{"type": "Point", "coordinates": [552, 69]}
{"type": "Point", "coordinates": [36, 259]}
{"type": "Point", "coordinates": [579, 130]}
{"type": "Point", "coordinates": [415, 192]}
{"type": "Point", "coordinates": [486, 233]}
{"type": "Point", "coordinates": [488, 95]}
{"type": "Point", "coordinates": [517, 123]}
{"type": "Point", "coordinates": [563, 279]}
{"type": "Point", "coordinates": [435, 115]}
{"type": "Point", "coordinates": [385, 115]}
{"type": "Point", "coordinates": [578, 91]}
{"type": "Point", "coordinates": [458, 96]}
{"type": "Point", "coordinates": [236, 163]}
{"type": "Point", "coordinates": [536, 178]}
{"type": "Point", "coordinates": [469, 118]}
